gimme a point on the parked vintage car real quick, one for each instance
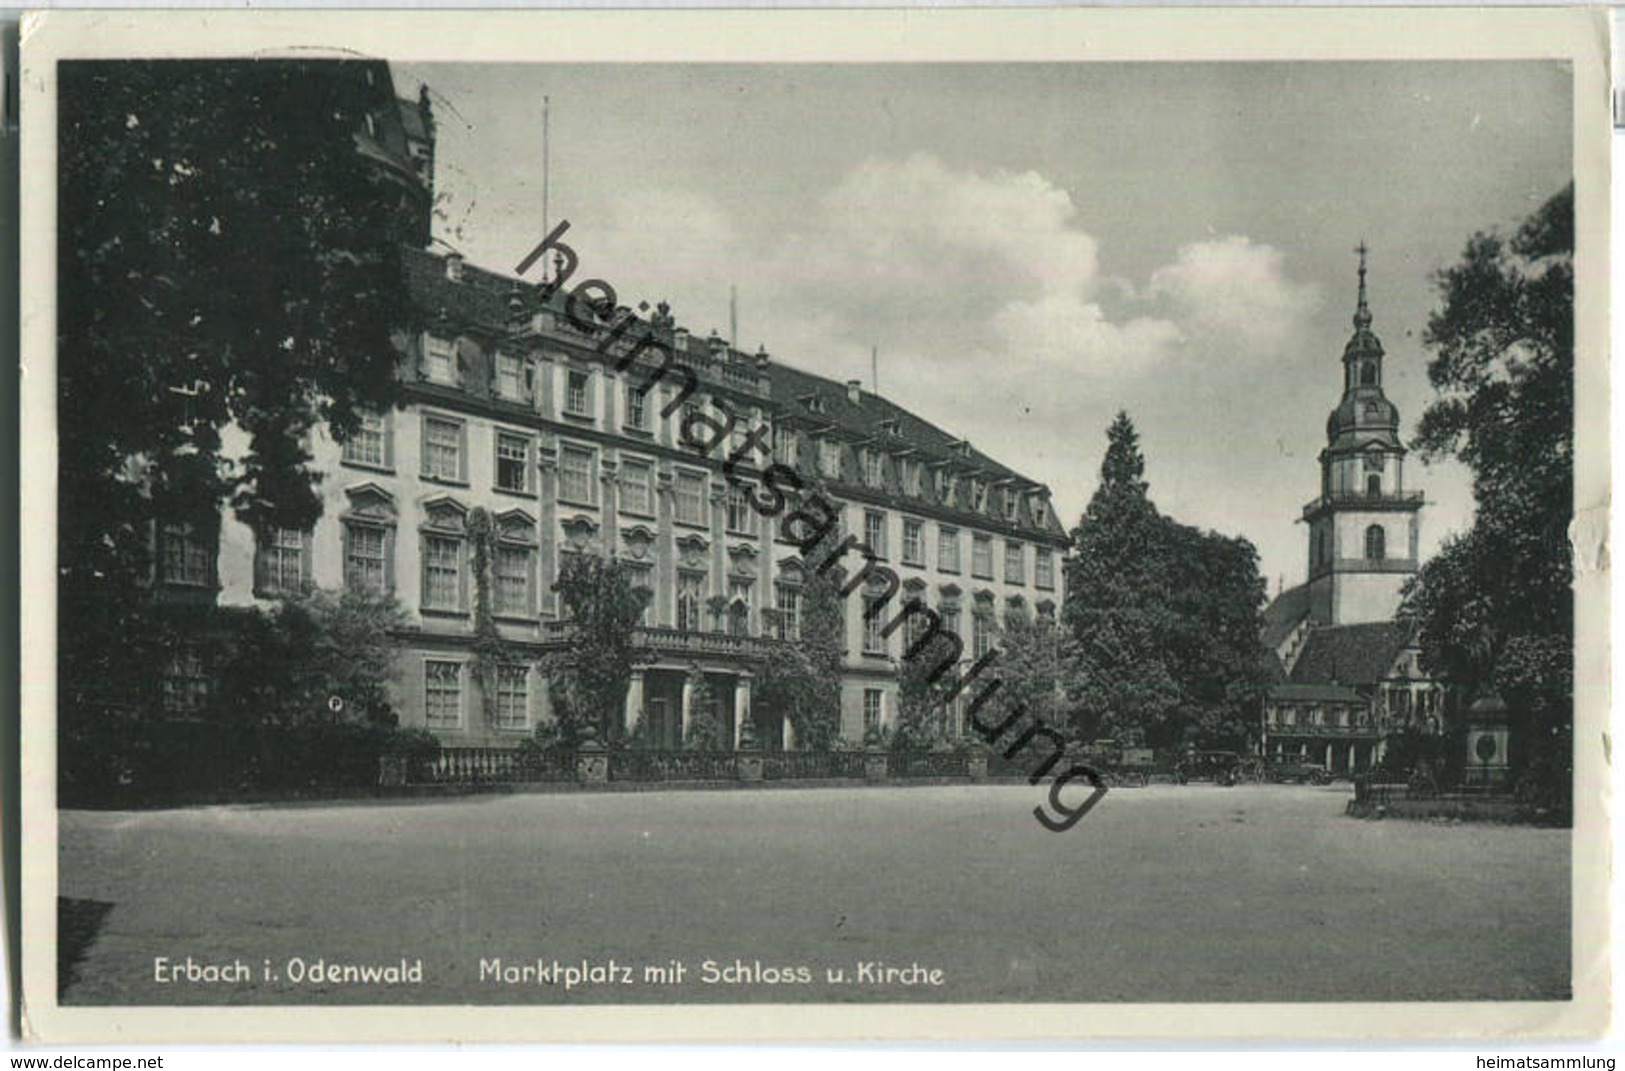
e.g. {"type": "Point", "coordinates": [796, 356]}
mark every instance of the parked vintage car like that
{"type": "Point", "coordinates": [1299, 770]}
{"type": "Point", "coordinates": [1220, 767]}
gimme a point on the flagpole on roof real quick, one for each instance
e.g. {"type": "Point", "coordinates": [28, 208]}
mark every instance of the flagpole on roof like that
{"type": "Point", "coordinates": [546, 175]}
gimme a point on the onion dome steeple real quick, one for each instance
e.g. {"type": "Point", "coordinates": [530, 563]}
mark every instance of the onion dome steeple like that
{"type": "Point", "coordinates": [1365, 414]}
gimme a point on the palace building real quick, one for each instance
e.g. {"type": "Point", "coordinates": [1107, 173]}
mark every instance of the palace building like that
{"type": "Point", "coordinates": [1346, 671]}
{"type": "Point", "coordinates": [521, 410]}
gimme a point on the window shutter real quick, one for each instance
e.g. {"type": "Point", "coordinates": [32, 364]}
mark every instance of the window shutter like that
{"type": "Point", "coordinates": [530, 582]}
{"type": "Point", "coordinates": [462, 451]}
{"type": "Point", "coordinates": [307, 578]}
{"type": "Point", "coordinates": [389, 561]}
{"type": "Point", "coordinates": [387, 427]}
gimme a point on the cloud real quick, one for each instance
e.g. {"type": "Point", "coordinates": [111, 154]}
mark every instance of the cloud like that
{"type": "Point", "coordinates": [1064, 329]}
{"type": "Point", "coordinates": [1234, 295]}
{"type": "Point", "coordinates": [952, 269]}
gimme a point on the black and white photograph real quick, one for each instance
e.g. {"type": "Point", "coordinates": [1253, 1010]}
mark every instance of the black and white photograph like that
{"type": "Point", "coordinates": [665, 513]}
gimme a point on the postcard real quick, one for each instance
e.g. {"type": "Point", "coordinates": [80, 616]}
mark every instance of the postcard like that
{"type": "Point", "coordinates": [773, 525]}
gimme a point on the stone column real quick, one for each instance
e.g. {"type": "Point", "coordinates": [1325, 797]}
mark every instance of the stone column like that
{"type": "Point", "coordinates": [1328, 757]}
{"type": "Point", "coordinates": [688, 702]}
{"type": "Point", "coordinates": [1351, 758]}
{"type": "Point", "coordinates": [634, 703]}
{"type": "Point", "coordinates": [741, 706]}
{"type": "Point", "coordinates": [789, 734]}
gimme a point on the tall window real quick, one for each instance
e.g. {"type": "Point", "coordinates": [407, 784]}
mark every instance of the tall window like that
{"type": "Point", "coordinates": [1044, 568]}
{"type": "Point", "coordinates": [510, 377]}
{"type": "Point", "coordinates": [366, 558]}
{"type": "Point", "coordinates": [637, 407]}
{"type": "Point", "coordinates": [913, 543]}
{"type": "Point", "coordinates": [577, 395]}
{"type": "Point", "coordinates": [981, 630]}
{"type": "Point", "coordinates": [185, 684]}
{"type": "Point", "coordinates": [948, 549]}
{"type": "Point", "coordinates": [1373, 485]}
{"type": "Point", "coordinates": [741, 514]}
{"type": "Point", "coordinates": [512, 571]}
{"type": "Point", "coordinates": [690, 594]}
{"type": "Point", "coordinates": [981, 556]}
{"type": "Point", "coordinates": [874, 620]}
{"type": "Point", "coordinates": [949, 612]}
{"type": "Point", "coordinates": [513, 462]}
{"type": "Point", "coordinates": [442, 694]}
{"type": "Point", "coordinates": [369, 445]}
{"type": "Point", "coordinates": [513, 697]}
{"type": "Point", "coordinates": [442, 448]}
{"type": "Point", "coordinates": [873, 706]}
{"type": "Point", "coordinates": [690, 498]}
{"type": "Point", "coordinates": [1376, 543]}
{"type": "Point", "coordinates": [874, 531]}
{"type": "Point", "coordinates": [739, 607]}
{"type": "Point", "coordinates": [440, 360]}
{"type": "Point", "coordinates": [637, 486]}
{"type": "Point", "coordinates": [283, 565]}
{"type": "Point", "coordinates": [1009, 501]}
{"type": "Point", "coordinates": [1015, 563]}
{"type": "Point", "coordinates": [978, 496]}
{"type": "Point", "coordinates": [787, 600]}
{"type": "Point", "coordinates": [442, 573]}
{"type": "Point", "coordinates": [188, 558]}
{"type": "Point", "coordinates": [576, 471]}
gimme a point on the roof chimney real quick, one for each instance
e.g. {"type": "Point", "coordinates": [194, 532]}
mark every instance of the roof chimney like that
{"type": "Point", "coordinates": [762, 359]}
{"type": "Point", "coordinates": [854, 391]}
{"type": "Point", "coordinates": [454, 267]}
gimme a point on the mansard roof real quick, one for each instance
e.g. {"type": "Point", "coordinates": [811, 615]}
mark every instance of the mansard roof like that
{"type": "Point", "coordinates": [480, 301]}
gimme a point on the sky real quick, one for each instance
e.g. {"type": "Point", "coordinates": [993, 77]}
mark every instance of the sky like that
{"type": "Point", "coordinates": [1033, 247]}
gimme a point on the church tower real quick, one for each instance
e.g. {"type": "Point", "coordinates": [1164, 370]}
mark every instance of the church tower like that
{"type": "Point", "coordinates": [1363, 527]}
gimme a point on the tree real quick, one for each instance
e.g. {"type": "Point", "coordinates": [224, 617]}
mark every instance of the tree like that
{"type": "Point", "coordinates": [227, 259]}
{"type": "Point", "coordinates": [283, 665]}
{"type": "Point", "coordinates": [1495, 607]}
{"type": "Point", "coordinates": [589, 680]}
{"type": "Point", "coordinates": [803, 678]}
{"type": "Point", "coordinates": [1164, 616]}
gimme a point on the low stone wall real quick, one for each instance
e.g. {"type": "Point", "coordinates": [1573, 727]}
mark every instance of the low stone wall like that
{"type": "Point", "coordinates": [1448, 807]}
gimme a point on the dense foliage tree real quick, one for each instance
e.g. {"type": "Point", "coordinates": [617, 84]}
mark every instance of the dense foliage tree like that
{"type": "Point", "coordinates": [1495, 606]}
{"type": "Point", "coordinates": [1165, 617]}
{"type": "Point", "coordinates": [803, 678]}
{"type": "Point", "coordinates": [226, 258]}
{"type": "Point", "coordinates": [588, 681]}
{"type": "Point", "coordinates": [284, 664]}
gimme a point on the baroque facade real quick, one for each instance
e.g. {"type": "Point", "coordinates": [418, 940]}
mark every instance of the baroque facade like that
{"type": "Point", "coordinates": [1346, 672]}
{"type": "Point", "coordinates": [518, 406]}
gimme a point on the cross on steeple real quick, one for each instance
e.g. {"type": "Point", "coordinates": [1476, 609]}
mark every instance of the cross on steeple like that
{"type": "Point", "coordinates": [1362, 314]}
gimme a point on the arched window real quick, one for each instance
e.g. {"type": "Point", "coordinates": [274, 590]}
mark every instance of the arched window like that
{"type": "Point", "coordinates": [1368, 374]}
{"type": "Point", "coordinates": [1324, 546]}
{"type": "Point", "coordinates": [1373, 484]}
{"type": "Point", "coordinates": [1376, 541]}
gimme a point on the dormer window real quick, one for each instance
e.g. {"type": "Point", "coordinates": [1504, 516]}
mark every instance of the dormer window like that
{"type": "Point", "coordinates": [439, 360]}
{"type": "Point", "coordinates": [829, 458]}
{"type": "Point", "coordinates": [512, 378]}
{"type": "Point", "coordinates": [1010, 502]}
{"type": "Point", "coordinates": [578, 393]}
{"type": "Point", "coordinates": [978, 494]}
{"type": "Point", "coordinates": [872, 468]}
